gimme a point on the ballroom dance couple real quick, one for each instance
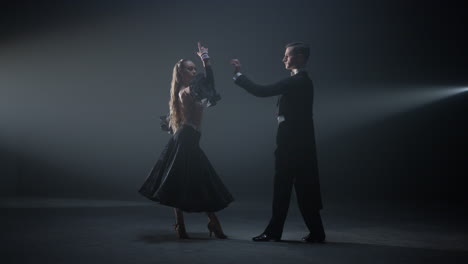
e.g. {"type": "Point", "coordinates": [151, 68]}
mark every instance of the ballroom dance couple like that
{"type": "Point", "coordinates": [183, 177]}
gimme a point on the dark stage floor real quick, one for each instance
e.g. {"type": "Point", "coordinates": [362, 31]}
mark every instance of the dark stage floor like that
{"type": "Point", "coordinates": [83, 231]}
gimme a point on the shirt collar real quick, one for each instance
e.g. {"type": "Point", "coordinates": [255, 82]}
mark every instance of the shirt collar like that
{"type": "Point", "coordinates": [296, 71]}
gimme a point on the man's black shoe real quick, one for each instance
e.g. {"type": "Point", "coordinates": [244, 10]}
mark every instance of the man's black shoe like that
{"type": "Point", "coordinates": [314, 239]}
{"type": "Point", "coordinates": [265, 237]}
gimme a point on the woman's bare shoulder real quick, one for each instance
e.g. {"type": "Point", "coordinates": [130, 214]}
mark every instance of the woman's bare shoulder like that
{"type": "Point", "coordinates": [184, 94]}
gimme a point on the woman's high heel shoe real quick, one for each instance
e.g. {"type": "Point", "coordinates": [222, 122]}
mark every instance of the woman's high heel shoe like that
{"type": "Point", "coordinates": [180, 229]}
{"type": "Point", "coordinates": [215, 228]}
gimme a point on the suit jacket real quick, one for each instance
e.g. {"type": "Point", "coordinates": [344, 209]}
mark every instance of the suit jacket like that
{"type": "Point", "coordinates": [295, 102]}
{"type": "Point", "coordinates": [295, 155]}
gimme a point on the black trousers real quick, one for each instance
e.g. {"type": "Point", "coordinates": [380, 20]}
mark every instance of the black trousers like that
{"type": "Point", "coordinates": [296, 166]}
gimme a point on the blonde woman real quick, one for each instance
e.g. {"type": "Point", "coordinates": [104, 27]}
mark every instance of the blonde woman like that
{"type": "Point", "coordinates": [183, 177]}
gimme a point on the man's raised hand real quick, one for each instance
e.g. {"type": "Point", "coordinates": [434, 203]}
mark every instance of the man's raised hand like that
{"type": "Point", "coordinates": [236, 64]}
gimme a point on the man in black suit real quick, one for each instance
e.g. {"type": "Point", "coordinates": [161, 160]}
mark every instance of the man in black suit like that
{"type": "Point", "coordinates": [295, 155]}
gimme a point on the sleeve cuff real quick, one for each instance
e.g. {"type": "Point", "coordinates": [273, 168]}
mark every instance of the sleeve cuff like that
{"type": "Point", "coordinates": [236, 76]}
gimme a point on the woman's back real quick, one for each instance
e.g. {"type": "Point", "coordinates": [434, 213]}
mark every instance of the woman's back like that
{"type": "Point", "coordinates": [192, 111]}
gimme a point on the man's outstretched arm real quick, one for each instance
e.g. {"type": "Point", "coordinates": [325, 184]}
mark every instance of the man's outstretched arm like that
{"type": "Point", "coordinates": [278, 88]}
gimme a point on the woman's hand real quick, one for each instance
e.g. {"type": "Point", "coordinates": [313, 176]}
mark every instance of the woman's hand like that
{"type": "Point", "coordinates": [236, 64]}
{"type": "Point", "coordinates": [202, 52]}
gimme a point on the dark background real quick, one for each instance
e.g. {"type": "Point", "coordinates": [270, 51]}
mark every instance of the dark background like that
{"type": "Point", "coordinates": [82, 84]}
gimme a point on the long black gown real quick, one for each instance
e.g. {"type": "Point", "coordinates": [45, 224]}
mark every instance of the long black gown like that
{"type": "Point", "coordinates": [183, 177]}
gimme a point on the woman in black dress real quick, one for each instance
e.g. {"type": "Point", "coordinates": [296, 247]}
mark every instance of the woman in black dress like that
{"type": "Point", "coordinates": [183, 177]}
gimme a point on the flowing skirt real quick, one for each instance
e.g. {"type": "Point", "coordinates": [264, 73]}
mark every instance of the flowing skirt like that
{"type": "Point", "coordinates": [184, 178]}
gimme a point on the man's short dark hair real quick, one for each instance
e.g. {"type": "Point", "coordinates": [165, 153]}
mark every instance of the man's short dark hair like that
{"type": "Point", "coordinates": [299, 48]}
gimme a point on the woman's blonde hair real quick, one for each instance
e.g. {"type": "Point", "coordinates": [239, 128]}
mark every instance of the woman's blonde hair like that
{"type": "Point", "coordinates": [175, 111]}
